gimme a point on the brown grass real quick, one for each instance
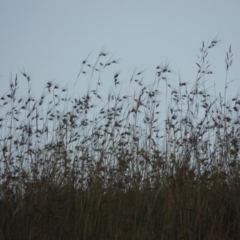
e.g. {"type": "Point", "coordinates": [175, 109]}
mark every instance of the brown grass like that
{"type": "Point", "coordinates": [73, 170]}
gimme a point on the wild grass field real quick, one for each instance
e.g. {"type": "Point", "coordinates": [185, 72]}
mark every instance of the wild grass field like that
{"type": "Point", "coordinates": [70, 169]}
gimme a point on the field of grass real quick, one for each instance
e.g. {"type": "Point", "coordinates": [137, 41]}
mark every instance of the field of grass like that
{"type": "Point", "coordinates": [70, 169]}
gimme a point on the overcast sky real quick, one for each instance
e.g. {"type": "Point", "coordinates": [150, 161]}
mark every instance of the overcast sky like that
{"type": "Point", "coordinates": [50, 38]}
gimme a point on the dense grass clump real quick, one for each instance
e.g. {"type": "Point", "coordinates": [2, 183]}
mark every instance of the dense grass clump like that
{"type": "Point", "coordinates": [70, 169]}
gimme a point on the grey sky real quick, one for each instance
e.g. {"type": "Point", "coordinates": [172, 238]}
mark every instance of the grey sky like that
{"type": "Point", "coordinates": [50, 38]}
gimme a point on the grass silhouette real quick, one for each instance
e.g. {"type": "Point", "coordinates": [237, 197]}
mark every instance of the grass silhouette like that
{"type": "Point", "coordinates": [72, 171]}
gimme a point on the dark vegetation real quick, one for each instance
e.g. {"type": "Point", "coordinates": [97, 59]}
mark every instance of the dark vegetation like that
{"type": "Point", "coordinates": [69, 170]}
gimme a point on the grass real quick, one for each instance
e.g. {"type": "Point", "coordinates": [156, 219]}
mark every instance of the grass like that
{"type": "Point", "coordinates": [72, 169]}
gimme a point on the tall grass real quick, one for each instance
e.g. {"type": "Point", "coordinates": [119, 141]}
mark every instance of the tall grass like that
{"type": "Point", "coordinates": [73, 170]}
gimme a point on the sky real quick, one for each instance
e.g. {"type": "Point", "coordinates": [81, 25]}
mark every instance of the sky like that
{"type": "Point", "coordinates": [49, 39]}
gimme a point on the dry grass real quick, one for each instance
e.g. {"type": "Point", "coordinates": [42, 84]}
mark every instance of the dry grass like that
{"type": "Point", "coordinates": [72, 171]}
